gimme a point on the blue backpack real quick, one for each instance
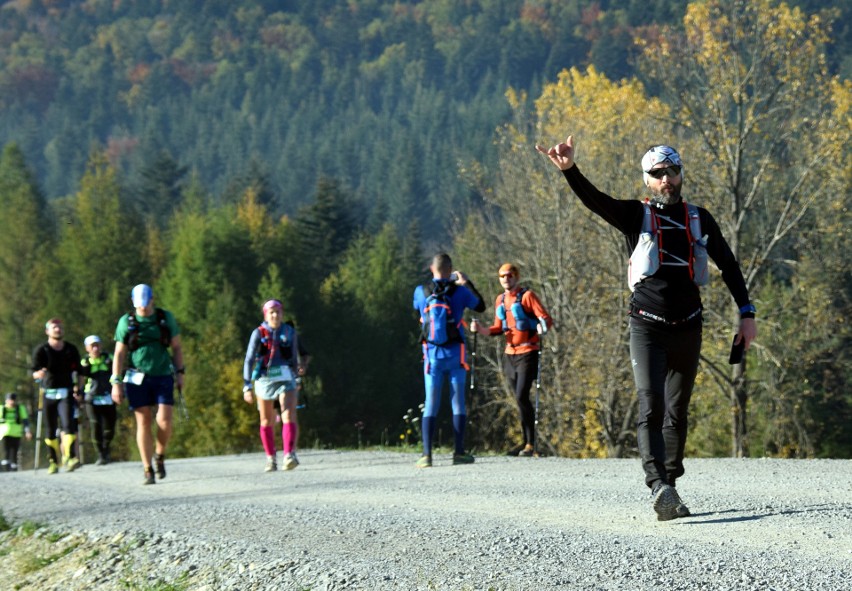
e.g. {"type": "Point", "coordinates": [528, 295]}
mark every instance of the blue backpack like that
{"type": "Point", "coordinates": [438, 325]}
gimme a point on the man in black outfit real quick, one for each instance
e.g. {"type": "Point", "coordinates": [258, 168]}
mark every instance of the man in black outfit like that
{"type": "Point", "coordinates": [670, 241]}
{"type": "Point", "coordinates": [55, 365]}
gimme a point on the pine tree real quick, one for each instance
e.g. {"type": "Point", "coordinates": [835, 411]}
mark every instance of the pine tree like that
{"type": "Point", "coordinates": [25, 259]}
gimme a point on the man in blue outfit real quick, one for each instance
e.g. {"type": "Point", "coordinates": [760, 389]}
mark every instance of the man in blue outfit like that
{"type": "Point", "coordinates": [441, 304]}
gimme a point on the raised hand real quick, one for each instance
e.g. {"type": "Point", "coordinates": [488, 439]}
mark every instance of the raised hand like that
{"type": "Point", "coordinates": [562, 155]}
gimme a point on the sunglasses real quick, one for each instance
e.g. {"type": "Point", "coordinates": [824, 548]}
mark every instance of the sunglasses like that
{"type": "Point", "coordinates": [669, 171]}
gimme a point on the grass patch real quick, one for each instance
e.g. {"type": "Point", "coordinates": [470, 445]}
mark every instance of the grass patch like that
{"type": "Point", "coordinates": [28, 528]}
{"type": "Point", "coordinates": [4, 523]}
{"type": "Point", "coordinates": [33, 563]}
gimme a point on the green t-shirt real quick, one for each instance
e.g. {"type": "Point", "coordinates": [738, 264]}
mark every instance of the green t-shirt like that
{"type": "Point", "coordinates": [151, 358]}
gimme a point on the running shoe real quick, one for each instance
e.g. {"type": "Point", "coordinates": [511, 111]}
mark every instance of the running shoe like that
{"type": "Point", "coordinates": [271, 465]}
{"type": "Point", "coordinates": [665, 502]}
{"type": "Point", "coordinates": [424, 462]}
{"type": "Point", "coordinates": [290, 461]}
{"type": "Point", "coordinates": [527, 452]}
{"type": "Point", "coordinates": [149, 476]}
{"type": "Point", "coordinates": [53, 467]}
{"type": "Point", "coordinates": [160, 460]}
{"type": "Point", "coordinates": [72, 464]}
{"type": "Point", "coordinates": [463, 459]}
{"type": "Point", "coordinates": [681, 509]}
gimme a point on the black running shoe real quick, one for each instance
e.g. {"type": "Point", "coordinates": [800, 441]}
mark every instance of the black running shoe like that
{"type": "Point", "coordinates": [681, 509]}
{"type": "Point", "coordinates": [160, 460]}
{"type": "Point", "coordinates": [665, 502]}
{"type": "Point", "coordinates": [149, 476]}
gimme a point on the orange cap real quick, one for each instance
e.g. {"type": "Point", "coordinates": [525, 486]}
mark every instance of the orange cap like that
{"type": "Point", "coordinates": [508, 268]}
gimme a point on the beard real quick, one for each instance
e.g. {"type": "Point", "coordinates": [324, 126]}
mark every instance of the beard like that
{"type": "Point", "coordinates": [668, 196]}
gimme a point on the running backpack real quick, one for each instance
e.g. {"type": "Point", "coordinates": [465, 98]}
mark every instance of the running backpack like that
{"type": "Point", "coordinates": [438, 325]}
{"type": "Point", "coordinates": [286, 344]}
{"type": "Point", "coordinates": [649, 252]}
{"type": "Point", "coordinates": [132, 338]}
{"type": "Point", "coordinates": [522, 321]}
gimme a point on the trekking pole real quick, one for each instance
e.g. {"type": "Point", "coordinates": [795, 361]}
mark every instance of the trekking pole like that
{"type": "Point", "coordinates": [301, 395]}
{"type": "Point", "coordinates": [473, 361]}
{"type": "Point", "coordinates": [77, 415]}
{"type": "Point", "coordinates": [537, 392]}
{"type": "Point", "coordinates": [184, 413]}
{"type": "Point", "coordinates": [79, 443]}
{"type": "Point", "coordinates": [38, 423]}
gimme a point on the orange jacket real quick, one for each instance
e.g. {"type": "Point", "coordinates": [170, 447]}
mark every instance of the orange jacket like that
{"type": "Point", "coordinates": [518, 342]}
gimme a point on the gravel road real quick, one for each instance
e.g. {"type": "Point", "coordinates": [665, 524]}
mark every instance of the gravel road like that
{"type": "Point", "coordinates": [371, 521]}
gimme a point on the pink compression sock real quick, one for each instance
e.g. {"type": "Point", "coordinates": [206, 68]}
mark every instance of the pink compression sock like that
{"type": "Point", "coordinates": [267, 437]}
{"type": "Point", "coordinates": [289, 434]}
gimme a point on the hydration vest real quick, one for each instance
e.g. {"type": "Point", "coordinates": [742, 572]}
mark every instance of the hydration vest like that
{"type": "Point", "coordinates": [438, 325]}
{"type": "Point", "coordinates": [286, 345]}
{"type": "Point", "coordinates": [522, 321]}
{"type": "Point", "coordinates": [100, 371]}
{"type": "Point", "coordinates": [649, 253]}
{"type": "Point", "coordinates": [132, 337]}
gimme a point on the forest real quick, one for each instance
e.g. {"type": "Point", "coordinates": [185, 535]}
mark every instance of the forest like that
{"type": "Point", "coordinates": [321, 152]}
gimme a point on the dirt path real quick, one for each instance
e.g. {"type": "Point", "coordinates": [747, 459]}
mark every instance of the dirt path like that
{"type": "Point", "coordinates": [370, 520]}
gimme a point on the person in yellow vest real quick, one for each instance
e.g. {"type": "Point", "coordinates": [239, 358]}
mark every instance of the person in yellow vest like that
{"type": "Point", "coordinates": [100, 408]}
{"type": "Point", "coordinates": [14, 423]}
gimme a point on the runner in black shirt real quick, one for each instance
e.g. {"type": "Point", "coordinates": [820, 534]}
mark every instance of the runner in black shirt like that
{"type": "Point", "coordinates": [55, 365]}
{"type": "Point", "coordinates": [665, 308]}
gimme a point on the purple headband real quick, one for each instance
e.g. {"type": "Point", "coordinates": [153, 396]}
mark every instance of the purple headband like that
{"type": "Point", "coordinates": [272, 304]}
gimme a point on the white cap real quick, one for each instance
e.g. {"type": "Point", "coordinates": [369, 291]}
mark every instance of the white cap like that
{"type": "Point", "coordinates": [659, 154]}
{"type": "Point", "coordinates": [92, 338]}
{"type": "Point", "coordinates": [141, 295]}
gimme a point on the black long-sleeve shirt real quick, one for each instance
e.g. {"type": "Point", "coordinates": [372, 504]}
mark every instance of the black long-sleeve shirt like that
{"type": "Point", "coordinates": [60, 365]}
{"type": "Point", "coordinates": [670, 293]}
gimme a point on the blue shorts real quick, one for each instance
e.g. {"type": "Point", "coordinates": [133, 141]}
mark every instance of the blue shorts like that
{"type": "Point", "coordinates": [152, 391]}
{"type": "Point", "coordinates": [270, 389]}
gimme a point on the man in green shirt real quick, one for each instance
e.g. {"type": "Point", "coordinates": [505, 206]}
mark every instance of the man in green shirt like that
{"type": "Point", "coordinates": [142, 342]}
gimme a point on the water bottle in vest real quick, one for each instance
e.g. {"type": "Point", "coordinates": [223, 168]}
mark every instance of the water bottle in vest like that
{"type": "Point", "coordinates": [522, 321]}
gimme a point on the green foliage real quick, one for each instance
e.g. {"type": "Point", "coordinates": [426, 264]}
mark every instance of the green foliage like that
{"type": "Point", "coordinates": [25, 261]}
{"type": "Point", "coordinates": [367, 351]}
{"type": "Point", "coordinates": [386, 97]}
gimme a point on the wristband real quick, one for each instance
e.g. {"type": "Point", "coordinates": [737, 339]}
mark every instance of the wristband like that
{"type": "Point", "coordinates": [749, 309]}
{"type": "Point", "coordinates": [246, 388]}
{"type": "Point", "coordinates": [114, 379]}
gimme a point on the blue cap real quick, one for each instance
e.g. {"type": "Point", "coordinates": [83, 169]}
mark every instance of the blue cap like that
{"type": "Point", "coordinates": [141, 295]}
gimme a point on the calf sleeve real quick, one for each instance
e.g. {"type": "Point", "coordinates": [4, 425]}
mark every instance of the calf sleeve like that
{"type": "Point", "coordinates": [289, 436]}
{"type": "Point", "coordinates": [267, 437]}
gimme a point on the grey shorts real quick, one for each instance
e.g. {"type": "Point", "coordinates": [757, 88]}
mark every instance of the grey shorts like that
{"type": "Point", "coordinates": [269, 389]}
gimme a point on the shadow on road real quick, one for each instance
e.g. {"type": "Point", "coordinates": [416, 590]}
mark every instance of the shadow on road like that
{"type": "Point", "coordinates": [740, 518]}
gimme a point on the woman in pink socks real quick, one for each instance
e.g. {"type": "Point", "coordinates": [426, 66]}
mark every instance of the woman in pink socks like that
{"type": "Point", "coordinates": [275, 360]}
